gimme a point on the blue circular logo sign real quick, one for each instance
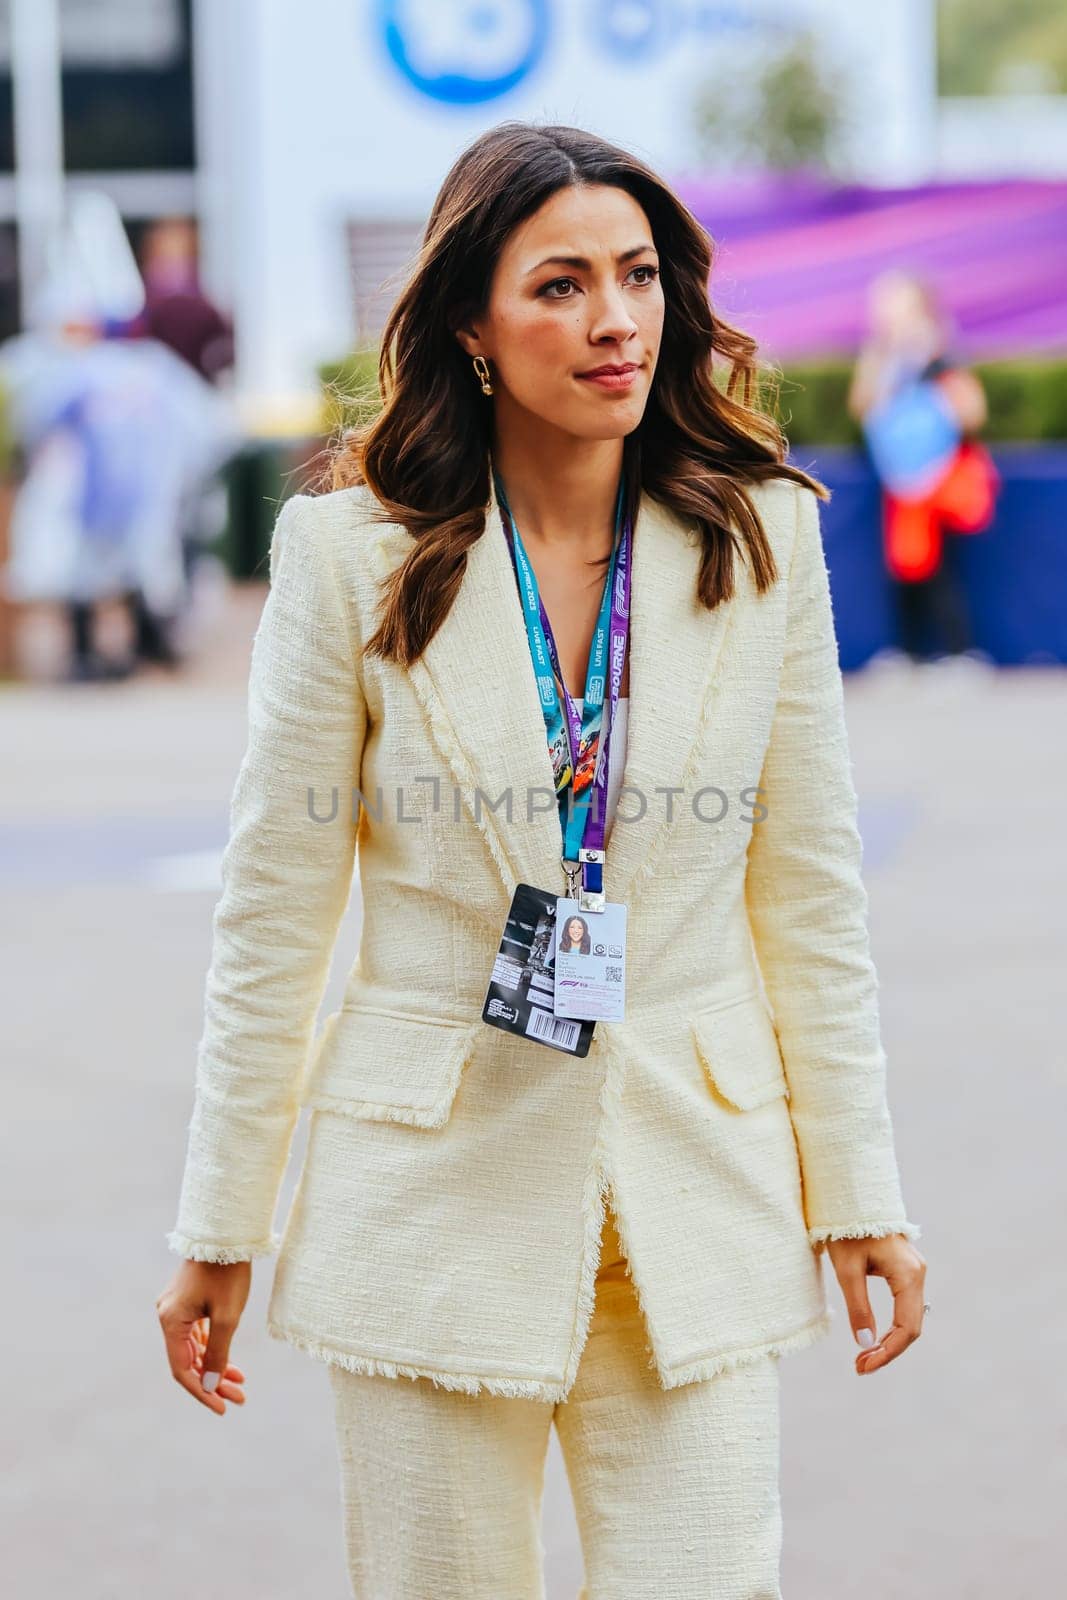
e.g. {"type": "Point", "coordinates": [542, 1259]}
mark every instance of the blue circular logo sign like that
{"type": "Point", "coordinates": [466, 52]}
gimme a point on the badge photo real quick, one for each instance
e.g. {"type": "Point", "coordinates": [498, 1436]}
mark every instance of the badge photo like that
{"type": "Point", "coordinates": [520, 997]}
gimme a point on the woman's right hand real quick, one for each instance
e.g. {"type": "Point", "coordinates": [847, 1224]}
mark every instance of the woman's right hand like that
{"type": "Point", "coordinates": [199, 1311]}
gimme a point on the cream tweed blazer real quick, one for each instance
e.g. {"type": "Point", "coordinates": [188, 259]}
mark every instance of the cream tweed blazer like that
{"type": "Point", "coordinates": [447, 1218]}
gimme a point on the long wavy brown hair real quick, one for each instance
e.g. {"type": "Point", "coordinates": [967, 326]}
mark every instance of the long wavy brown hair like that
{"type": "Point", "coordinates": [426, 455]}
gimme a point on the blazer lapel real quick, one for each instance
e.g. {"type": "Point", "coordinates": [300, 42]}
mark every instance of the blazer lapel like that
{"type": "Point", "coordinates": [476, 683]}
{"type": "Point", "coordinates": [477, 687]}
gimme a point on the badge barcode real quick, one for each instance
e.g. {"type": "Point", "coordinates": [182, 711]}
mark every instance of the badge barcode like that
{"type": "Point", "coordinates": [558, 1029]}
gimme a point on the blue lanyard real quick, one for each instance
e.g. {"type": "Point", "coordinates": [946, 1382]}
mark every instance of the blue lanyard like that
{"type": "Point", "coordinates": [569, 736]}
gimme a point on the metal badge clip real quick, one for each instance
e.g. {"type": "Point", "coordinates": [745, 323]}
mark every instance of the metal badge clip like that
{"type": "Point", "coordinates": [591, 896]}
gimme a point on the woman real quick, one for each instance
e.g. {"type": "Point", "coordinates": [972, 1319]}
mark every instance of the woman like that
{"type": "Point", "coordinates": [621, 1242]}
{"type": "Point", "coordinates": [576, 936]}
{"type": "Point", "coordinates": [921, 411]}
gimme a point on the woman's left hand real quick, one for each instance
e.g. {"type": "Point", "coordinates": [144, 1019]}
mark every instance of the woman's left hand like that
{"type": "Point", "coordinates": [895, 1259]}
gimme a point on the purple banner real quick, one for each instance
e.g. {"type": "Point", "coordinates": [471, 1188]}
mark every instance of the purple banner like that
{"type": "Point", "coordinates": [795, 257]}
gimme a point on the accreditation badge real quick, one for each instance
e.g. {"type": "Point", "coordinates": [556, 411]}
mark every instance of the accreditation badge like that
{"type": "Point", "coordinates": [590, 961]}
{"type": "Point", "coordinates": [522, 983]}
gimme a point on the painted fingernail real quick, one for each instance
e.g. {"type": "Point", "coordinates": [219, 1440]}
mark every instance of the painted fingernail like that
{"type": "Point", "coordinates": [210, 1380]}
{"type": "Point", "coordinates": [865, 1336]}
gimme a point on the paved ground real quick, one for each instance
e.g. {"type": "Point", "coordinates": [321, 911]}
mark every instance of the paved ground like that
{"type": "Point", "coordinates": [943, 1478]}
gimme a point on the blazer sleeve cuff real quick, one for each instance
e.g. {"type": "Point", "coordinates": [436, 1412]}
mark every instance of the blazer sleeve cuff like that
{"type": "Point", "coordinates": [863, 1230]}
{"type": "Point", "coordinates": [211, 1250]}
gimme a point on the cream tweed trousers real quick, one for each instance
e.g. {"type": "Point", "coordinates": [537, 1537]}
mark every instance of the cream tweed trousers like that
{"type": "Point", "coordinates": [675, 1491]}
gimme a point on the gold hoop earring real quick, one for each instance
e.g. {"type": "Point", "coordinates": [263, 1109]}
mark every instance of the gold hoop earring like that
{"type": "Point", "coordinates": [482, 372]}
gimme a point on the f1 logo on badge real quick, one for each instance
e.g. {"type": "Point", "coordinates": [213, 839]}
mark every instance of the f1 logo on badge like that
{"type": "Point", "coordinates": [468, 54]}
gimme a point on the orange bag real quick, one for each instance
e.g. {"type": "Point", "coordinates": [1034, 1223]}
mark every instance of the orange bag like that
{"type": "Point", "coordinates": [963, 502]}
{"type": "Point", "coordinates": [966, 497]}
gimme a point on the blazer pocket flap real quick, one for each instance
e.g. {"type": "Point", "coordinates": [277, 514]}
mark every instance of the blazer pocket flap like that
{"type": "Point", "coordinates": [739, 1048]}
{"type": "Point", "coordinates": [389, 1066]}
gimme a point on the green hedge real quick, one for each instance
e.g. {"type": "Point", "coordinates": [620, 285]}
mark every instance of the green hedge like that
{"type": "Point", "coordinates": [1027, 398]}
{"type": "Point", "coordinates": [7, 441]}
{"type": "Point", "coordinates": [1027, 401]}
{"type": "Point", "coordinates": [351, 389]}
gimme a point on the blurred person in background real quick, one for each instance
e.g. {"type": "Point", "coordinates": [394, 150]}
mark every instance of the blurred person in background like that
{"type": "Point", "coordinates": [116, 437]}
{"type": "Point", "coordinates": [921, 411]}
{"type": "Point", "coordinates": [179, 314]}
{"type": "Point", "coordinates": [176, 311]}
